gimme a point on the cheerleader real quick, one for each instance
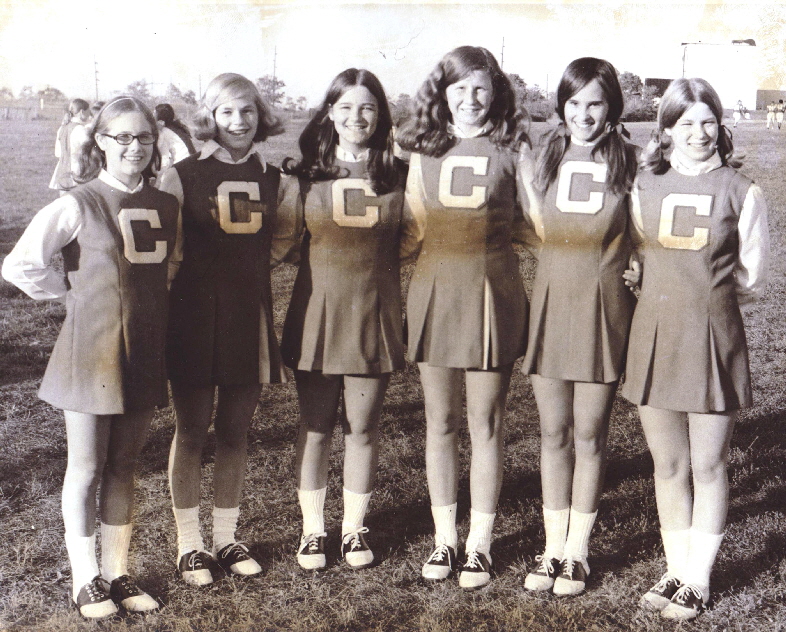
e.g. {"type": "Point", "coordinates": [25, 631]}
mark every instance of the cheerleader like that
{"type": "Point", "coordinates": [466, 307]}
{"type": "Point", "coordinates": [221, 324]}
{"type": "Point", "coordinates": [116, 235]}
{"type": "Point", "coordinates": [174, 140]}
{"type": "Point", "coordinates": [705, 246]}
{"type": "Point", "coordinates": [581, 310]}
{"type": "Point", "coordinates": [71, 137]}
{"type": "Point", "coordinates": [343, 330]}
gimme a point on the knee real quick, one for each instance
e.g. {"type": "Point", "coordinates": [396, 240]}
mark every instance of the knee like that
{"type": "Point", "coordinates": [671, 467]}
{"type": "Point", "coordinates": [85, 471]}
{"type": "Point", "coordinates": [556, 438]}
{"type": "Point", "coordinates": [361, 436]}
{"type": "Point", "coordinates": [232, 441]}
{"type": "Point", "coordinates": [589, 444]}
{"type": "Point", "coordinates": [190, 440]}
{"type": "Point", "coordinates": [708, 471]}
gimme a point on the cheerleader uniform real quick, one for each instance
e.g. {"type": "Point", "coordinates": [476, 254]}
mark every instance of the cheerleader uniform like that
{"type": "Point", "coordinates": [62, 178]}
{"type": "Point", "coordinates": [706, 246]}
{"type": "Point", "coordinates": [466, 306]}
{"type": "Point", "coordinates": [116, 245]}
{"type": "Point", "coordinates": [221, 320]}
{"type": "Point", "coordinates": [344, 317]}
{"type": "Point", "coordinates": [581, 310]}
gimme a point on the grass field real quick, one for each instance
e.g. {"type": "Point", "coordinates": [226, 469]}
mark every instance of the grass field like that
{"type": "Point", "coordinates": [749, 582]}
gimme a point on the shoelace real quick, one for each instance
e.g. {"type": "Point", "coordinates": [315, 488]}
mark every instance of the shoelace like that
{"type": "Point", "coordinates": [95, 590]}
{"type": "Point", "coordinates": [545, 566]}
{"type": "Point", "coordinates": [439, 554]}
{"type": "Point", "coordinates": [568, 564]}
{"type": "Point", "coordinates": [127, 584]}
{"type": "Point", "coordinates": [473, 560]}
{"type": "Point", "coordinates": [312, 542]}
{"type": "Point", "coordinates": [685, 591]}
{"type": "Point", "coordinates": [664, 582]}
{"type": "Point", "coordinates": [238, 550]}
{"type": "Point", "coordinates": [354, 538]}
{"type": "Point", "coordinates": [197, 562]}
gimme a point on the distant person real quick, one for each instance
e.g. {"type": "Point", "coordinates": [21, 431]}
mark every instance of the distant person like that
{"type": "Point", "coordinates": [70, 137]}
{"type": "Point", "coordinates": [174, 139]}
{"type": "Point", "coordinates": [779, 108]}
{"type": "Point", "coordinates": [705, 244]}
{"type": "Point", "coordinates": [738, 112]}
{"type": "Point", "coordinates": [771, 114]}
{"type": "Point", "coordinates": [106, 371]}
{"type": "Point", "coordinates": [96, 108]}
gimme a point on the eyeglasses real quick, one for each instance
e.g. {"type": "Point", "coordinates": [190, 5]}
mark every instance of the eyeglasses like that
{"type": "Point", "coordinates": [145, 138]}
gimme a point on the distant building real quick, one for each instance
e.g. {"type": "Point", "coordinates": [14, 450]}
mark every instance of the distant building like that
{"type": "Point", "coordinates": [730, 68]}
{"type": "Point", "coordinates": [765, 97]}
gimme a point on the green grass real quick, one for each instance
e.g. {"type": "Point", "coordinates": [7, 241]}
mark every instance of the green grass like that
{"type": "Point", "coordinates": [749, 578]}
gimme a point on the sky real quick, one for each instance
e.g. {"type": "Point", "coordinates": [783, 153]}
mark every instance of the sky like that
{"type": "Point", "coordinates": [187, 42]}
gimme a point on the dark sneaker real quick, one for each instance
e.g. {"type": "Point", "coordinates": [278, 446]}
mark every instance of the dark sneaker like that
{"type": "Point", "coordinates": [686, 604]}
{"type": "Point", "coordinates": [355, 549]}
{"type": "Point", "coordinates": [572, 577]}
{"type": "Point", "coordinates": [440, 564]}
{"type": "Point", "coordinates": [94, 600]}
{"type": "Point", "coordinates": [194, 568]}
{"type": "Point", "coordinates": [125, 592]}
{"type": "Point", "coordinates": [311, 552]}
{"type": "Point", "coordinates": [236, 560]}
{"type": "Point", "coordinates": [659, 596]}
{"type": "Point", "coordinates": [475, 571]}
{"type": "Point", "coordinates": [542, 578]}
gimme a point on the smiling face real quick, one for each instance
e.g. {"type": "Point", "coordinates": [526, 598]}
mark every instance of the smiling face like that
{"type": "Point", "coordinates": [126, 162]}
{"type": "Point", "coordinates": [469, 101]}
{"type": "Point", "coordinates": [695, 134]}
{"type": "Point", "coordinates": [236, 123]}
{"type": "Point", "coordinates": [586, 113]}
{"type": "Point", "coordinates": [355, 116]}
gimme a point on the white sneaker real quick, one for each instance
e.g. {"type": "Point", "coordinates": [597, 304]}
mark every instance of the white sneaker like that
{"type": "Point", "coordinates": [311, 552]}
{"type": "Point", "coordinates": [475, 571]}
{"type": "Point", "coordinates": [572, 578]}
{"type": "Point", "coordinates": [355, 549]}
{"type": "Point", "coordinates": [542, 578]}
{"type": "Point", "coordinates": [440, 564]}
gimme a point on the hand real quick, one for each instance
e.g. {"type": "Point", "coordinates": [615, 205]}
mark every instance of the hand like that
{"type": "Point", "coordinates": [632, 275]}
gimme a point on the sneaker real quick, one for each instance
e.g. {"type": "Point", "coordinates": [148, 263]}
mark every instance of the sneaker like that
{"type": "Point", "coordinates": [475, 571]}
{"type": "Point", "coordinates": [94, 600]}
{"type": "Point", "coordinates": [235, 560]}
{"type": "Point", "coordinates": [542, 578]}
{"type": "Point", "coordinates": [355, 549]}
{"type": "Point", "coordinates": [311, 552]}
{"type": "Point", "coordinates": [572, 577]}
{"type": "Point", "coordinates": [440, 564]}
{"type": "Point", "coordinates": [125, 592]}
{"type": "Point", "coordinates": [659, 596]}
{"type": "Point", "coordinates": [194, 568]}
{"type": "Point", "coordinates": [686, 604]}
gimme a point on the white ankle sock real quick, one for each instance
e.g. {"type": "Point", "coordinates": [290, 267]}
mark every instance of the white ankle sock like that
{"type": "Point", "coordinates": [701, 558]}
{"type": "Point", "coordinates": [82, 557]}
{"type": "Point", "coordinates": [355, 507]}
{"type": "Point", "coordinates": [676, 546]}
{"type": "Point", "coordinates": [445, 525]}
{"type": "Point", "coordinates": [579, 530]}
{"type": "Point", "coordinates": [115, 542]}
{"type": "Point", "coordinates": [312, 506]}
{"type": "Point", "coordinates": [188, 536]}
{"type": "Point", "coordinates": [224, 526]}
{"type": "Point", "coordinates": [480, 528]}
{"type": "Point", "coordinates": [555, 523]}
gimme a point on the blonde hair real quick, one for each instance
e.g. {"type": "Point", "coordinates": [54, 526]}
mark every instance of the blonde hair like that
{"type": "Point", "coordinates": [223, 88]}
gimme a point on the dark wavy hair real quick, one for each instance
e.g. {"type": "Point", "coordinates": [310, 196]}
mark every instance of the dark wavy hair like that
{"type": "Point", "coordinates": [619, 156]}
{"type": "Point", "coordinates": [166, 114]}
{"type": "Point", "coordinates": [426, 131]}
{"type": "Point", "coordinates": [223, 88]}
{"type": "Point", "coordinates": [319, 138]}
{"type": "Point", "coordinates": [92, 158]}
{"type": "Point", "coordinates": [679, 97]}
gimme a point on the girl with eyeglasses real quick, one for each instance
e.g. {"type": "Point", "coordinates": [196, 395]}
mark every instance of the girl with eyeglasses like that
{"type": "Point", "coordinates": [221, 339]}
{"type": "Point", "coordinates": [117, 236]}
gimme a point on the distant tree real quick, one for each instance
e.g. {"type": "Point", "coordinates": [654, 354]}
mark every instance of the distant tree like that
{"type": "Point", "coordinates": [302, 104]}
{"type": "Point", "coordinates": [6, 94]}
{"type": "Point", "coordinates": [630, 83]}
{"type": "Point", "coordinates": [51, 94]}
{"type": "Point", "coordinates": [189, 97]}
{"type": "Point", "coordinates": [400, 108]}
{"type": "Point", "coordinates": [272, 89]}
{"type": "Point", "coordinates": [141, 90]}
{"type": "Point", "coordinates": [640, 102]}
{"type": "Point", "coordinates": [289, 104]}
{"type": "Point", "coordinates": [27, 93]}
{"type": "Point", "coordinates": [173, 93]}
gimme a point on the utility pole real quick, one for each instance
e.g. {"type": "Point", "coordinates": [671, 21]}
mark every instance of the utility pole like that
{"type": "Point", "coordinates": [502, 56]}
{"type": "Point", "coordinates": [275, 53]}
{"type": "Point", "coordinates": [95, 70]}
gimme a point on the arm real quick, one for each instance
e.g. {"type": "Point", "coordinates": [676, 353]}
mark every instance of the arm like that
{"type": "Point", "coordinates": [635, 230]}
{"type": "Point", "coordinates": [170, 182]}
{"type": "Point", "coordinates": [414, 212]}
{"type": "Point", "coordinates": [79, 139]}
{"type": "Point", "coordinates": [290, 222]}
{"type": "Point", "coordinates": [28, 265]}
{"type": "Point", "coordinates": [528, 226]}
{"type": "Point", "coordinates": [752, 266]}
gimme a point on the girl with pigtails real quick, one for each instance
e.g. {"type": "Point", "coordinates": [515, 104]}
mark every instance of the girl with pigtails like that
{"type": "Point", "coordinates": [581, 309]}
{"type": "Point", "coordinates": [466, 306]}
{"type": "Point", "coordinates": [705, 246]}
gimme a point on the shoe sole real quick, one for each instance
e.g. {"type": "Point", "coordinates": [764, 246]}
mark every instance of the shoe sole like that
{"type": "Point", "coordinates": [560, 592]}
{"type": "Point", "coordinates": [194, 581]}
{"type": "Point", "coordinates": [655, 604]}
{"type": "Point", "coordinates": [544, 587]}
{"type": "Point", "coordinates": [473, 587]}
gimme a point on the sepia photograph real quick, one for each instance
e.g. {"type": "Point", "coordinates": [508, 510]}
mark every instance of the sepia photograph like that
{"type": "Point", "coordinates": [393, 316]}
